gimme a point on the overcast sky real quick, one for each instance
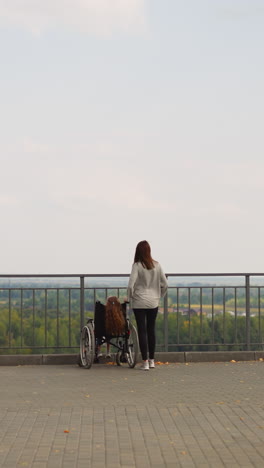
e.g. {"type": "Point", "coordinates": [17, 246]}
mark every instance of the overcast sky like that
{"type": "Point", "coordinates": [124, 120]}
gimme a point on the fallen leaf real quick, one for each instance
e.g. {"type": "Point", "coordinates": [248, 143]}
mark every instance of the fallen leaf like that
{"type": "Point", "coordinates": [66, 432]}
{"type": "Point", "coordinates": [183, 452]}
{"type": "Point", "coordinates": [87, 396]}
{"type": "Point", "coordinates": [233, 360]}
{"type": "Point", "coordinates": [159, 363]}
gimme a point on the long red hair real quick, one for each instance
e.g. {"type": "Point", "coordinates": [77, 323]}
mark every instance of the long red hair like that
{"type": "Point", "coordinates": [143, 255]}
{"type": "Point", "coordinates": [114, 317]}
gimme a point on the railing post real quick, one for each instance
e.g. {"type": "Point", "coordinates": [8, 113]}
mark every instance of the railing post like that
{"type": "Point", "coordinates": [248, 312]}
{"type": "Point", "coordinates": [82, 300]}
{"type": "Point", "coordinates": [165, 318]}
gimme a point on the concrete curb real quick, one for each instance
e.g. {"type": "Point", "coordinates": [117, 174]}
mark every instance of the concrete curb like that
{"type": "Point", "coordinates": [220, 356]}
{"type": "Point", "coordinates": [59, 359]}
{"type": "Point", "coordinates": [71, 359]}
{"type": "Point", "coordinates": [169, 357]}
{"type": "Point", "coordinates": [21, 360]}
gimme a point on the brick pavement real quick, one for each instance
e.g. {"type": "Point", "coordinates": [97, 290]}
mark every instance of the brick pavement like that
{"type": "Point", "coordinates": [177, 415]}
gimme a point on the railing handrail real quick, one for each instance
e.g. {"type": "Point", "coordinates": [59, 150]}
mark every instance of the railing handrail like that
{"type": "Point", "coordinates": [118, 275]}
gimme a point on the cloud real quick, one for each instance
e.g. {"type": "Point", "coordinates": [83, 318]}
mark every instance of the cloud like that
{"type": "Point", "coordinates": [105, 188]}
{"type": "Point", "coordinates": [8, 200]}
{"type": "Point", "coordinates": [240, 11]}
{"type": "Point", "coordinates": [80, 183]}
{"type": "Point", "coordinates": [101, 17]}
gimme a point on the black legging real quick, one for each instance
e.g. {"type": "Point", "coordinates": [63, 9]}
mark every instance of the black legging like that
{"type": "Point", "coordinates": [146, 319]}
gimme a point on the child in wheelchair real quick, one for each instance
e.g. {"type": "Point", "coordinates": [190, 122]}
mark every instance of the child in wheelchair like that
{"type": "Point", "coordinates": [114, 323]}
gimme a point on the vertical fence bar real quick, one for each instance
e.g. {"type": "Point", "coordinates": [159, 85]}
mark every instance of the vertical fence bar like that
{"type": "Point", "coordinates": [201, 315]}
{"type": "Point", "coordinates": [46, 331]}
{"type": "Point", "coordinates": [224, 315]}
{"type": "Point", "coordinates": [247, 278]}
{"type": "Point", "coordinates": [213, 326]}
{"type": "Point", "coordinates": [21, 317]}
{"type": "Point", "coordinates": [9, 318]}
{"type": "Point", "coordinates": [189, 314]}
{"type": "Point", "coordinates": [235, 315]}
{"type": "Point", "coordinates": [178, 331]}
{"type": "Point", "coordinates": [165, 319]}
{"type": "Point", "coordinates": [58, 320]}
{"type": "Point", "coordinates": [82, 301]}
{"type": "Point", "coordinates": [259, 321]}
{"type": "Point", "coordinates": [260, 336]}
{"type": "Point", "coordinates": [33, 299]}
{"type": "Point", "coordinates": [70, 317]}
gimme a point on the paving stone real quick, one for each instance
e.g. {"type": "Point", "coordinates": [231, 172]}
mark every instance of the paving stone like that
{"type": "Point", "coordinates": [202, 415]}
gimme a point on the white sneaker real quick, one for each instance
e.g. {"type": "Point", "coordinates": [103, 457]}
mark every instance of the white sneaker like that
{"type": "Point", "coordinates": [144, 366]}
{"type": "Point", "coordinates": [151, 363]}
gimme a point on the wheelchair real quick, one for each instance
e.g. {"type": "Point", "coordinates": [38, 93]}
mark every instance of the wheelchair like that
{"type": "Point", "coordinates": [93, 335]}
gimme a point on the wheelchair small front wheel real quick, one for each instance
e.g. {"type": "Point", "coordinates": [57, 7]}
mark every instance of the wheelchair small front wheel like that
{"type": "Point", "coordinates": [87, 346]}
{"type": "Point", "coordinates": [121, 358]}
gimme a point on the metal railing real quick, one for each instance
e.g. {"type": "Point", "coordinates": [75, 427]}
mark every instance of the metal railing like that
{"type": "Point", "coordinates": [44, 313]}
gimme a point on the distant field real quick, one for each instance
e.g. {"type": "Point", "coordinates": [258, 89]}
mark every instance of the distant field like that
{"type": "Point", "coordinates": [218, 308]}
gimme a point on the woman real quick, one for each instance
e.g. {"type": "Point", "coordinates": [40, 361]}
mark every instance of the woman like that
{"type": "Point", "coordinates": [147, 284]}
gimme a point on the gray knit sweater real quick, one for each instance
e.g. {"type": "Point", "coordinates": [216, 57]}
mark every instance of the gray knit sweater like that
{"type": "Point", "coordinates": [146, 287]}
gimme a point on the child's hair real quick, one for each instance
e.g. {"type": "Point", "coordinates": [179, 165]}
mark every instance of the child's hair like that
{"type": "Point", "coordinates": [114, 317]}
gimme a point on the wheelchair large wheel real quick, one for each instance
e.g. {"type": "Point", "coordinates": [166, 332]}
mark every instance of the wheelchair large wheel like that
{"type": "Point", "coordinates": [128, 356]}
{"type": "Point", "coordinates": [87, 346]}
